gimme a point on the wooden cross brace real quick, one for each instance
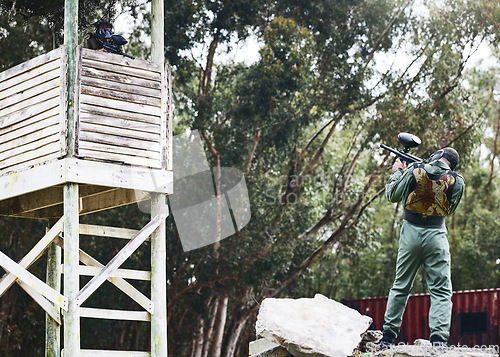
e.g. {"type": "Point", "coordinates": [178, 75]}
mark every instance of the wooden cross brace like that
{"type": "Point", "coordinates": [120, 283]}
{"type": "Point", "coordinates": [119, 259]}
{"type": "Point", "coordinates": [48, 298]}
{"type": "Point", "coordinates": [51, 300]}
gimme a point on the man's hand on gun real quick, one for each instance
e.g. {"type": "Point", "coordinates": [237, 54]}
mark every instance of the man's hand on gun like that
{"type": "Point", "coordinates": [398, 164]}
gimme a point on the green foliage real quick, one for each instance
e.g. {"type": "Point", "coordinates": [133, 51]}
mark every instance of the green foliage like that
{"type": "Point", "coordinates": [333, 80]}
{"type": "Point", "coordinates": [18, 312]}
{"type": "Point", "coordinates": [21, 40]}
{"type": "Point", "coordinates": [29, 28]}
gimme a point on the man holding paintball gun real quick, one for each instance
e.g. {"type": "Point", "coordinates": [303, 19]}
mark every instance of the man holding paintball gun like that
{"type": "Point", "coordinates": [429, 192]}
{"type": "Point", "coordinates": [104, 40]}
{"type": "Point", "coordinates": [103, 32]}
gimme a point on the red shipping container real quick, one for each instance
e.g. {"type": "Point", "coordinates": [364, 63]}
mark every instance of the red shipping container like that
{"type": "Point", "coordinates": [474, 320]}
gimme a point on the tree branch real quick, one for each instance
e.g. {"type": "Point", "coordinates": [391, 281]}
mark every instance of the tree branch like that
{"type": "Point", "coordinates": [257, 138]}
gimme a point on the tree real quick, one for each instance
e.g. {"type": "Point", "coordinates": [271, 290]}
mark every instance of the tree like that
{"type": "Point", "coordinates": [315, 105]}
{"type": "Point", "coordinates": [29, 28]}
{"type": "Point", "coordinates": [304, 123]}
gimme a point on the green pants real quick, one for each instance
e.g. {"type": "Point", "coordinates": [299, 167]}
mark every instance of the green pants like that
{"type": "Point", "coordinates": [428, 246]}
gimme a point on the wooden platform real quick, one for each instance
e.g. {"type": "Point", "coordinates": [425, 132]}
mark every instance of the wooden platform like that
{"type": "Point", "coordinates": [121, 139]}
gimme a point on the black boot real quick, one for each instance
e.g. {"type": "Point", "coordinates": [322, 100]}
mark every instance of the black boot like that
{"type": "Point", "coordinates": [438, 341]}
{"type": "Point", "coordinates": [387, 340]}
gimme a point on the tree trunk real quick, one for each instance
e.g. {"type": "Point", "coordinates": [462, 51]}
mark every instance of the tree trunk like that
{"type": "Point", "coordinates": [234, 333]}
{"type": "Point", "coordinates": [198, 341]}
{"type": "Point", "coordinates": [204, 86]}
{"type": "Point", "coordinates": [492, 164]}
{"type": "Point", "coordinates": [220, 323]}
{"type": "Point", "coordinates": [208, 338]}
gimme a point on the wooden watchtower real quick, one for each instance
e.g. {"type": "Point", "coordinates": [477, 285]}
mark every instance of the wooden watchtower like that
{"type": "Point", "coordinates": [83, 131]}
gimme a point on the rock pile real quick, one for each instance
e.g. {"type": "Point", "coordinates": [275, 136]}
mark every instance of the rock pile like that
{"type": "Point", "coordinates": [322, 327]}
{"type": "Point", "coordinates": [311, 327]}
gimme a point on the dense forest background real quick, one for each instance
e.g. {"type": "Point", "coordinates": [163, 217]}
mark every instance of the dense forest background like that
{"type": "Point", "coordinates": [302, 113]}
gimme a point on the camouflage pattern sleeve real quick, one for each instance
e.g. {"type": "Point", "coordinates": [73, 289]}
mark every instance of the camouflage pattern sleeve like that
{"type": "Point", "coordinates": [397, 186]}
{"type": "Point", "coordinates": [457, 194]}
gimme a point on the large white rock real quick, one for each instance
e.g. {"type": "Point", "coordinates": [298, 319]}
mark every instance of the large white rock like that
{"type": "Point", "coordinates": [318, 327]}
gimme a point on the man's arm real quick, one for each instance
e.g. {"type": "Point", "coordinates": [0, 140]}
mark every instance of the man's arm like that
{"type": "Point", "coordinates": [397, 186]}
{"type": "Point", "coordinates": [456, 196]}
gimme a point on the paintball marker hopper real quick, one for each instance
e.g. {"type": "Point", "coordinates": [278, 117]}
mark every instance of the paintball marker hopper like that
{"type": "Point", "coordinates": [408, 141]}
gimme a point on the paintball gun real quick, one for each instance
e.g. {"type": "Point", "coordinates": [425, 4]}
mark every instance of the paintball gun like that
{"type": "Point", "coordinates": [408, 141]}
{"type": "Point", "coordinates": [114, 46]}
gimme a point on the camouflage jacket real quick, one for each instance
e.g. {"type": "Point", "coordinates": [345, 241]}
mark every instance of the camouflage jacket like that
{"type": "Point", "coordinates": [401, 187]}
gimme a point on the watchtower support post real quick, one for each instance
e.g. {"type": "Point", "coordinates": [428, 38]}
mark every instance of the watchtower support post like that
{"type": "Point", "coordinates": [158, 280]}
{"type": "Point", "coordinates": [71, 42]}
{"type": "Point", "coordinates": [69, 149]}
{"type": "Point", "coordinates": [158, 238]}
{"type": "Point", "coordinates": [71, 195]}
{"type": "Point", "coordinates": [52, 327]}
{"type": "Point", "coordinates": [157, 31]}
{"type": "Point", "coordinates": [71, 273]}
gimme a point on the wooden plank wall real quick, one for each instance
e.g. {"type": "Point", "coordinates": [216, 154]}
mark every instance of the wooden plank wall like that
{"type": "Point", "coordinates": [32, 112]}
{"type": "Point", "coordinates": [121, 110]}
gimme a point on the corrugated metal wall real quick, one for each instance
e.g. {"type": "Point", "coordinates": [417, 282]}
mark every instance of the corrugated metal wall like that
{"type": "Point", "coordinates": [474, 322]}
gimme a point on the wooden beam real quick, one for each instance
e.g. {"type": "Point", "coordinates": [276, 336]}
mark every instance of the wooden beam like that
{"type": "Point", "coordinates": [117, 64]}
{"type": "Point", "coordinates": [63, 118]}
{"type": "Point", "coordinates": [168, 119]}
{"type": "Point", "coordinates": [45, 199]}
{"type": "Point", "coordinates": [89, 72]}
{"type": "Point", "coordinates": [86, 172]}
{"type": "Point", "coordinates": [119, 259]}
{"type": "Point", "coordinates": [31, 201]}
{"type": "Point", "coordinates": [120, 283]}
{"type": "Point", "coordinates": [115, 103]}
{"type": "Point", "coordinates": [45, 304]}
{"type": "Point", "coordinates": [112, 353]}
{"type": "Point", "coordinates": [158, 206]}
{"type": "Point", "coordinates": [53, 323]}
{"type": "Point", "coordinates": [159, 278]}
{"type": "Point", "coordinates": [158, 32]}
{"type": "Point", "coordinates": [106, 199]}
{"type": "Point", "coordinates": [71, 43]}
{"type": "Point", "coordinates": [124, 176]}
{"type": "Point", "coordinates": [25, 276]}
{"type": "Point", "coordinates": [33, 67]}
{"type": "Point", "coordinates": [106, 314]}
{"type": "Point", "coordinates": [71, 276]}
{"type": "Point", "coordinates": [33, 179]}
{"type": "Point", "coordinates": [35, 253]}
{"type": "Point", "coordinates": [118, 273]}
{"type": "Point", "coordinates": [101, 57]}
{"type": "Point", "coordinates": [31, 86]}
{"type": "Point", "coordinates": [110, 120]}
{"type": "Point", "coordinates": [106, 231]}
{"type": "Point", "coordinates": [38, 119]}
{"type": "Point", "coordinates": [112, 199]}
{"type": "Point", "coordinates": [124, 87]}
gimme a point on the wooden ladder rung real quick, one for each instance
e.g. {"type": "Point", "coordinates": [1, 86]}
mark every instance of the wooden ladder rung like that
{"type": "Point", "coordinates": [118, 273]}
{"type": "Point", "coordinates": [95, 313]}
{"type": "Point", "coordinates": [111, 353]}
{"type": "Point", "coordinates": [87, 270]}
{"type": "Point", "coordinates": [105, 231]}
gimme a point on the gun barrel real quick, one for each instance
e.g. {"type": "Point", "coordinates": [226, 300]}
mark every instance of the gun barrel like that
{"type": "Point", "coordinates": [409, 158]}
{"type": "Point", "coordinates": [114, 50]}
